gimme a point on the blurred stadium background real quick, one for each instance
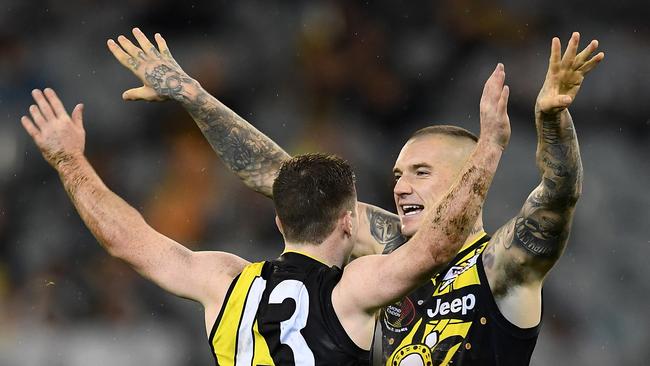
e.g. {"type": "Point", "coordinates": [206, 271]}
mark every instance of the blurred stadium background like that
{"type": "Point", "coordinates": [350, 77]}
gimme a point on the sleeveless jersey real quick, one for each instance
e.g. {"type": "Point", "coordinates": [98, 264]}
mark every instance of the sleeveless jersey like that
{"type": "Point", "coordinates": [280, 312]}
{"type": "Point", "coordinates": [454, 320]}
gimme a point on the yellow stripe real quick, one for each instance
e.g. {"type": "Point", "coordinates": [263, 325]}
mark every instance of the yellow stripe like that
{"type": "Point", "coordinates": [225, 338]}
{"type": "Point", "coordinates": [262, 355]}
{"type": "Point", "coordinates": [472, 240]}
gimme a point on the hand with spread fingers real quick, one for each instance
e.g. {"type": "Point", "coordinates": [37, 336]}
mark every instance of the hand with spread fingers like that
{"type": "Point", "coordinates": [161, 75]}
{"type": "Point", "coordinates": [59, 136]}
{"type": "Point", "coordinates": [565, 75]}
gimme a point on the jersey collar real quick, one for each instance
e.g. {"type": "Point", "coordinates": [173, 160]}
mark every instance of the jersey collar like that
{"type": "Point", "coordinates": [304, 254]}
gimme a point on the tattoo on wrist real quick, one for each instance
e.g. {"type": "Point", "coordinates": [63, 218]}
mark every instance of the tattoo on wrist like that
{"type": "Point", "coordinates": [550, 130]}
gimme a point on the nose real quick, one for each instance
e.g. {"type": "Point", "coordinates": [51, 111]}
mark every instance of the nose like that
{"type": "Point", "coordinates": [402, 187]}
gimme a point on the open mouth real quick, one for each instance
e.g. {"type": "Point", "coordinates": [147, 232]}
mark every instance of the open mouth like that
{"type": "Point", "coordinates": [410, 210]}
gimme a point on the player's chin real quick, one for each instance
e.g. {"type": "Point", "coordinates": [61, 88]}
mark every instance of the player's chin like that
{"type": "Point", "coordinates": [410, 224]}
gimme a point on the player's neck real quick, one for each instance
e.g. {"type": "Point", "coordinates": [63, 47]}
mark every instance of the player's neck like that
{"type": "Point", "coordinates": [326, 252]}
{"type": "Point", "coordinates": [477, 231]}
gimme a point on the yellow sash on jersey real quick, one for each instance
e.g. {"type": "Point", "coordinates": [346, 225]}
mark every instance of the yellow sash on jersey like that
{"type": "Point", "coordinates": [224, 341]}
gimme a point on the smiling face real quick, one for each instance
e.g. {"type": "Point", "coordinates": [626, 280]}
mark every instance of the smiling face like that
{"type": "Point", "coordinates": [424, 171]}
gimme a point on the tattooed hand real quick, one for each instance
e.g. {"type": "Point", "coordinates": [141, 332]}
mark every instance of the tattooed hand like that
{"type": "Point", "coordinates": [162, 77]}
{"type": "Point", "coordinates": [59, 136]}
{"type": "Point", "coordinates": [565, 76]}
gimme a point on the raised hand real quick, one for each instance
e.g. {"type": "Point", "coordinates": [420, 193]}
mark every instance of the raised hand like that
{"type": "Point", "coordinates": [565, 75]}
{"type": "Point", "coordinates": [495, 123]}
{"type": "Point", "coordinates": [162, 77]}
{"type": "Point", "coordinates": [58, 136]}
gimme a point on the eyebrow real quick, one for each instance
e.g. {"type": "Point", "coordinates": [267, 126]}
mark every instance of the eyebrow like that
{"type": "Point", "coordinates": [413, 167]}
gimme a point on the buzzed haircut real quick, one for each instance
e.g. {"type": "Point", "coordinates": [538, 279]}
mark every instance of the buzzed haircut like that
{"type": "Point", "coordinates": [448, 130]}
{"type": "Point", "coordinates": [310, 193]}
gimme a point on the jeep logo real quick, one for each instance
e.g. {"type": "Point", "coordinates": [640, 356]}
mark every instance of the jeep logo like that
{"type": "Point", "coordinates": [459, 305]}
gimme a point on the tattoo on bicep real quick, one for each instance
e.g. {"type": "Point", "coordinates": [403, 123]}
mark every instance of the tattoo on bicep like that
{"type": "Point", "coordinates": [488, 255]}
{"type": "Point", "coordinates": [540, 234]}
{"type": "Point", "coordinates": [385, 228]}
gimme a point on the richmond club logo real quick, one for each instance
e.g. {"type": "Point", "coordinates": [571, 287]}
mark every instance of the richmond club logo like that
{"type": "Point", "coordinates": [398, 316]}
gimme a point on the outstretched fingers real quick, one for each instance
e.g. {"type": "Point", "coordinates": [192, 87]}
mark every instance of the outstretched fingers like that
{"type": "Point", "coordinates": [29, 126]}
{"type": "Point", "coordinates": [162, 46]}
{"type": "Point", "coordinates": [582, 56]}
{"type": "Point", "coordinates": [43, 105]}
{"type": "Point", "coordinates": [37, 117]}
{"type": "Point", "coordinates": [55, 103]}
{"type": "Point", "coordinates": [555, 58]}
{"type": "Point", "coordinates": [591, 64]}
{"type": "Point", "coordinates": [503, 101]}
{"type": "Point", "coordinates": [140, 93]}
{"type": "Point", "coordinates": [571, 50]}
{"type": "Point", "coordinates": [129, 47]}
{"type": "Point", "coordinates": [121, 55]}
{"type": "Point", "coordinates": [77, 114]}
{"type": "Point", "coordinates": [494, 84]}
{"type": "Point", "coordinates": [144, 42]}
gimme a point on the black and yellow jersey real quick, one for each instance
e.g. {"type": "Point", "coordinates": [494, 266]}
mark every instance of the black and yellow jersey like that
{"type": "Point", "coordinates": [454, 320]}
{"type": "Point", "coordinates": [280, 312]}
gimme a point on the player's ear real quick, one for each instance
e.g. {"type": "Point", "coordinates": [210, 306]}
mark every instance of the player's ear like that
{"type": "Point", "coordinates": [278, 223]}
{"type": "Point", "coordinates": [346, 222]}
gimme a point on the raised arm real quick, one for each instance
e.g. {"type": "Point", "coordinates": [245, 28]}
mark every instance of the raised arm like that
{"type": "Point", "coordinates": [523, 251]}
{"type": "Point", "coordinates": [249, 153]}
{"type": "Point", "coordinates": [253, 156]}
{"type": "Point", "coordinates": [445, 228]}
{"type": "Point", "coordinates": [119, 228]}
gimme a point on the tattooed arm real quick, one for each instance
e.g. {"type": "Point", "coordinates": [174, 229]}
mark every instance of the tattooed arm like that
{"type": "Point", "coordinates": [246, 151]}
{"type": "Point", "coordinates": [250, 154]}
{"type": "Point", "coordinates": [523, 251]}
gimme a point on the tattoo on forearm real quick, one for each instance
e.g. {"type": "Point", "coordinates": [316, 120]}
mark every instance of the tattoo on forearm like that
{"type": "Point", "coordinates": [543, 225]}
{"type": "Point", "coordinates": [385, 228]}
{"type": "Point", "coordinates": [245, 150]}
